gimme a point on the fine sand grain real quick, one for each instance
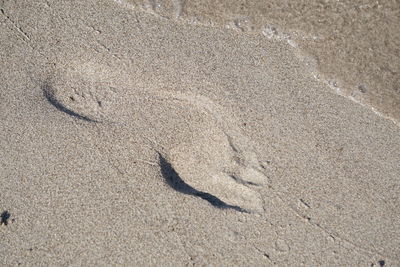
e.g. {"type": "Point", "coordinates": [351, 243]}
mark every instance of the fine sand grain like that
{"type": "Point", "coordinates": [130, 138]}
{"type": "Point", "coordinates": [351, 45]}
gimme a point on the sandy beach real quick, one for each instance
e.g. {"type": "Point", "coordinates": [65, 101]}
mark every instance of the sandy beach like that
{"type": "Point", "coordinates": [182, 133]}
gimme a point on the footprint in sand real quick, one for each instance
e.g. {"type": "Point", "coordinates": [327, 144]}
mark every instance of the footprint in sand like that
{"type": "Point", "coordinates": [201, 151]}
{"type": "Point", "coordinates": [218, 160]}
{"type": "Point", "coordinates": [82, 91]}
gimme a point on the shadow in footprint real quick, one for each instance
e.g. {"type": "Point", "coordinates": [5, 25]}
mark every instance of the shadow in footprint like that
{"type": "Point", "coordinates": [48, 94]}
{"type": "Point", "coordinates": [173, 179]}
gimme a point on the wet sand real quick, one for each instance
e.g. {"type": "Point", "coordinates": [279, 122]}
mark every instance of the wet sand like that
{"type": "Point", "coordinates": [350, 45]}
{"type": "Point", "coordinates": [134, 138]}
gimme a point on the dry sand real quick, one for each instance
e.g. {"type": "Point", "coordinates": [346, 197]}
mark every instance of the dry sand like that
{"type": "Point", "coordinates": [130, 138]}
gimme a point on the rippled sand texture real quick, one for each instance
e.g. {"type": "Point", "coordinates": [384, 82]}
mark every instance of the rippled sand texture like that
{"type": "Point", "coordinates": [354, 45]}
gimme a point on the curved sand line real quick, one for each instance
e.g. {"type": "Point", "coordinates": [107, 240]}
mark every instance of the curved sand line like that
{"type": "Point", "coordinates": [173, 179]}
{"type": "Point", "coordinates": [48, 93]}
{"type": "Point", "coordinates": [81, 90]}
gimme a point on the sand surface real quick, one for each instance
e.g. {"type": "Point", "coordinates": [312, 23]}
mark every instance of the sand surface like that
{"type": "Point", "coordinates": [132, 137]}
{"type": "Point", "coordinates": [353, 46]}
